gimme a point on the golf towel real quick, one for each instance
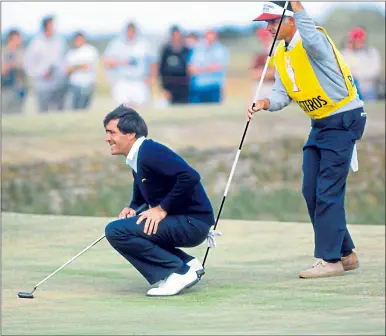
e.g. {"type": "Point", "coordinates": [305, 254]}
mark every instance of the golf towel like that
{"type": "Point", "coordinates": [354, 160]}
{"type": "Point", "coordinates": [211, 239]}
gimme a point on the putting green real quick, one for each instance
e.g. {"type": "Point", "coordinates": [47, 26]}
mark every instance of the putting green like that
{"type": "Point", "coordinates": [251, 285]}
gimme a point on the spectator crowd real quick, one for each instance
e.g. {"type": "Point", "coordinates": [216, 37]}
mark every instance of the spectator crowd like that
{"type": "Point", "coordinates": [189, 69]}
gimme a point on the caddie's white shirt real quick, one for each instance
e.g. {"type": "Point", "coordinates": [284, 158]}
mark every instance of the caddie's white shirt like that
{"type": "Point", "coordinates": [294, 40]}
{"type": "Point", "coordinates": [86, 54]}
{"type": "Point", "coordinates": [132, 157]}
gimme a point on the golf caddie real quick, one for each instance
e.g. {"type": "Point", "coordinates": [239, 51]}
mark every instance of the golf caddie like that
{"type": "Point", "coordinates": [180, 213]}
{"type": "Point", "coordinates": [311, 72]}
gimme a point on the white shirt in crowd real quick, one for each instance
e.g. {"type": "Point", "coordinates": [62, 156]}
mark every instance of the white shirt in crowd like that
{"type": "Point", "coordinates": [46, 55]}
{"type": "Point", "coordinates": [137, 53]}
{"type": "Point", "coordinates": [128, 81]}
{"type": "Point", "coordinates": [86, 54]}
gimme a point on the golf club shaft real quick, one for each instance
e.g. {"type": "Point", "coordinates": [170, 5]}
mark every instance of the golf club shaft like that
{"type": "Point", "coordinates": [246, 128]}
{"type": "Point", "coordinates": [70, 261]}
{"type": "Point", "coordinates": [138, 211]}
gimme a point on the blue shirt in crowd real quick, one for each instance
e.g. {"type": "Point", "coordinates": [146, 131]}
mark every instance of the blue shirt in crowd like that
{"type": "Point", "coordinates": [204, 55]}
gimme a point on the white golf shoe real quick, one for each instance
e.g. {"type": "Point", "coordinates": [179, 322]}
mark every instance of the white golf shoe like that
{"type": "Point", "coordinates": [174, 284]}
{"type": "Point", "coordinates": [196, 266]}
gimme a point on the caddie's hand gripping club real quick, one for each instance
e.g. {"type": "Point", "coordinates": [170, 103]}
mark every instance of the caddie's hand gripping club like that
{"type": "Point", "coordinates": [246, 127]}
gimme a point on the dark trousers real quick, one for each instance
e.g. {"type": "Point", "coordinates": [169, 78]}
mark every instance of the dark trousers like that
{"type": "Point", "coordinates": [156, 256]}
{"type": "Point", "coordinates": [326, 163]}
{"type": "Point", "coordinates": [179, 93]}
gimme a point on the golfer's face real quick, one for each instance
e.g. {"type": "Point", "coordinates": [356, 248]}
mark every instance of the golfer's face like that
{"type": "Point", "coordinates": [120, 143]}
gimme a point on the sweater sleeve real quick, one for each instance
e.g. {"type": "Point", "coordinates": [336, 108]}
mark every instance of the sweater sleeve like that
{"type": "Point", "coordinates": [169, 164]}
{"type": "Point", "coordinates": [314, 41]}
{"type": "Point", "coordinates": [278, 99]}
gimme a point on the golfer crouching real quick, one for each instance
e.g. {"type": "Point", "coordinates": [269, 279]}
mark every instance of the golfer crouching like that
{"type": "Point", "coordinates": [180, 213]}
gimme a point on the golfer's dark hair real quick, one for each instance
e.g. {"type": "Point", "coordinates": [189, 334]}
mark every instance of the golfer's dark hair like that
{"type": "Point", "coordinates": [129, 121]}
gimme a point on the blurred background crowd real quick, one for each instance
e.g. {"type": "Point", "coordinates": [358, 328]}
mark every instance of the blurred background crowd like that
{"type": "Point", "coordinates": [191, 69]}
{"type": "Point", "coordinates": [185, 67]}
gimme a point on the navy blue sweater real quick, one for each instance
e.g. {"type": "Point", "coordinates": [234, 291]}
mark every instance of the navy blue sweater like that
{"type": "Point", "coordinates": [164, 178]}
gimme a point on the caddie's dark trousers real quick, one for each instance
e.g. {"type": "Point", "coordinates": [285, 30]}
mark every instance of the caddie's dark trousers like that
{"type": "Point", "coordinates": [157, 256]}
{"type": "Point", "coordinates": [326, 163]}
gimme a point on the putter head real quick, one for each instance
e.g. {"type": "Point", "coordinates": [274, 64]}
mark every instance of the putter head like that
{"type": "Point", "coordinates": [25, 295]}
{"type": "Point", "coordinates": [200, 273]}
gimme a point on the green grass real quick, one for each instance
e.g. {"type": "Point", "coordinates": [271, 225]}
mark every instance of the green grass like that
{"type": "Point", "coordinates": [251, 285]}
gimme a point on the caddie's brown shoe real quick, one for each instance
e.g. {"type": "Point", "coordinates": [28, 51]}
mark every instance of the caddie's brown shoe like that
{"type": "Point", "coordinates": [323, 269]}
{"type": "Point", "coordinates": [350, 262]}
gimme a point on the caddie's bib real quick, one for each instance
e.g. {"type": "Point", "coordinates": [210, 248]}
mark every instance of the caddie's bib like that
{"type": "Point", "coordinates": [301, 83]}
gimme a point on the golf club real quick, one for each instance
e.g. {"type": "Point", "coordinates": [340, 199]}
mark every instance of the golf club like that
{"type": "Point", "coordinates": [29, 295]}
{"type": "Point", "coordinates": [246, 127]}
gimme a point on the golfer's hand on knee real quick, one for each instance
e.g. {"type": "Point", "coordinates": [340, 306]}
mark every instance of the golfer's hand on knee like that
{"type": "Point", "coordinates": [153, 217]}
{"type": "Point", "coordinates": [127, 212]}
{"type": "Point", "coordinates": [259, 105]}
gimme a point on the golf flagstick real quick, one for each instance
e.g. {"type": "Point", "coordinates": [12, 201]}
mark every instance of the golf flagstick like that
{"type": "Point", "coordinates": [246, 128]}
{"type": "Point", "coordinates": [29, 295]}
